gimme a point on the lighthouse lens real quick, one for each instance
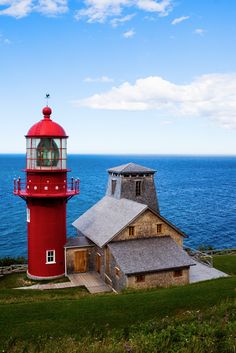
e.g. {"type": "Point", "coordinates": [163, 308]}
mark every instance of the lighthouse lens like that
{"type": "Point", "coordinates": [47, 153]}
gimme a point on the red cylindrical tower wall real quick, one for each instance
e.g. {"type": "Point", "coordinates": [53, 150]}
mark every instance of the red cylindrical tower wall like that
{"type": "Point", "coordinates": [46, 192]}
{"type": "Point", "coordinates": [46, 232]}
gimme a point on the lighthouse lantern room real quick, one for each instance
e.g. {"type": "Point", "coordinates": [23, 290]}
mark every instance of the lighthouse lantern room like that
{"type": "Point", "coordinates": [46, 191]}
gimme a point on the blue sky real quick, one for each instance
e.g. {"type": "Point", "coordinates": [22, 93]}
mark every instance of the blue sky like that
{"type": "Point", "coordinates": [125, 76]}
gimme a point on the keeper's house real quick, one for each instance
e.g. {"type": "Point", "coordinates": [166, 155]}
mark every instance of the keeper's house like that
{"type": "Point", "coordinates": [125, 238]}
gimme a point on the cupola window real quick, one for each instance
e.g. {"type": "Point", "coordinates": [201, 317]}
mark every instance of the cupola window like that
{"type": "Point", "coordinates": [138, 188]}
{"type": "Point", "coordinates": [113, 186]}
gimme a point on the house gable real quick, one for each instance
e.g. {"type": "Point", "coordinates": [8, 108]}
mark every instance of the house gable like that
{"type": "Point", "coordinates": [146, 226]}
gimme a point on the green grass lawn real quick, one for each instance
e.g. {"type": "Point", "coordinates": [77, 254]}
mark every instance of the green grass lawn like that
{"type": "Point", "coordinates": [15, 280]}
{"type": "Point", "coordinates": [71, 320]}
{"type": "Point", "coordinates": [28, 313]}
{"type": "Point", "coordinates": [225, 263]}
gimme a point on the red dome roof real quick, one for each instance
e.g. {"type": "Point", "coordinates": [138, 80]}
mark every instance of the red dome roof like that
{"type": "Point", "coordinates": [46, 127]}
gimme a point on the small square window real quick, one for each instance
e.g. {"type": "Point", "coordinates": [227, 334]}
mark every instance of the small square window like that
{"type": "Point", "coordinates": [131, 230]}
{"type": "Point", "coordinates": [159, 228]}
{"type": "Point", "coordinates": [178, 273]}
{"type": "Point", "coordinates": [50, 257]}
{"type": "Point", "coordinates": [140, 278]}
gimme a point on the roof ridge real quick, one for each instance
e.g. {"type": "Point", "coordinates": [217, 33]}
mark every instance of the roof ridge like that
{"type": "Point", "coordinates": [131, 167]}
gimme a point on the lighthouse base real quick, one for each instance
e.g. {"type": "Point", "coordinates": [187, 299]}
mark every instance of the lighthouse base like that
{"type": "Point", "coordinates": [39, 278]}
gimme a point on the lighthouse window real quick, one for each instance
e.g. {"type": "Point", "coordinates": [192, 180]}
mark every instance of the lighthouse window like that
{"type": "Point", "coordinates": [50, 257]}
{"type": "Point", "coordinates": [47, 153]}
{"type": "Point", "coordinates": [28, 215]}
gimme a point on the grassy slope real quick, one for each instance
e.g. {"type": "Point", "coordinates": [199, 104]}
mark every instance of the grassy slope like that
{"type": "Point", "coordinates": [29, 318]}
{"type": "Point", "coordinates": [209, 331]}
{"type": "Point", "coordinates": [15, 280]}
{"type": "Point", "coordinates": [28, 314]}
{"type": "Point", "coordinates": [225, 263]}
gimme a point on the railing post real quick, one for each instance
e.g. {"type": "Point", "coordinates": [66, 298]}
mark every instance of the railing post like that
{"type": "Point", "coordinates": [14, 184]}
{"type": "Point", "coordinates": [18, 184]}
{"type": "Point", "coordinates": [72, 184]}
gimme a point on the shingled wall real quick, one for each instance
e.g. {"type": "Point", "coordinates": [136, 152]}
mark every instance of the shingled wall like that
{"type": "Point", "coordinates": [146, 226]}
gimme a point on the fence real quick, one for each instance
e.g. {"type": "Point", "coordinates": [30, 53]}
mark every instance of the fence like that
{"type": "Point", "coordinates": [4, 270]}
{"type": "Point", "coordinates": [200, 256]}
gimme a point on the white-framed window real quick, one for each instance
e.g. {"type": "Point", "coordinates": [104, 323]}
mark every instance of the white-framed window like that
{"type": "Point", "coordinates": [50, 257]}
{"type": "Point", "coordinates": [28, 215]}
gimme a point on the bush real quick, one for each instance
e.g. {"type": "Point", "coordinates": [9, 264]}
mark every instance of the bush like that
{"type": "Point", "coordinates": [8, 261]}
{"type": "Point", "coordinates": [203, 248]}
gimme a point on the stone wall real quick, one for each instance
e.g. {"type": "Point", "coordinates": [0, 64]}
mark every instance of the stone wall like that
{"type": "Point", "coordinates": [159, 279]}
{"type": "Point", "coordinates": [117, 282]}
{"type": "Point", "coordinates": [146, 226]}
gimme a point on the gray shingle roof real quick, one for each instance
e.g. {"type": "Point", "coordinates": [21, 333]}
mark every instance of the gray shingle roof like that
{"type": "Point", "coordinates": [131, 168]}
{"type": "Point", "coordinates": [106, 218]}
{"type": "Point", "coordinates": [149, 255]}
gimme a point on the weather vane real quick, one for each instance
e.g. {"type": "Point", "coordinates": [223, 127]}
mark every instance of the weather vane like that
{"type": "Point", "coordinates": [47, 96]}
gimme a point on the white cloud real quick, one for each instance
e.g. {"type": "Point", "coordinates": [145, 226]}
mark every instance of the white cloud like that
{"type": "Point", "coordinates": [129, 34]}
{"type": "Point", "coordinates": [17, 8]}
{"type": "Point", "coordinates": [52, 7]}
{"type": "Point", "coordinates": [101, 10]}
{"type": "Point", "coordinates": [179, 20]}
{"type": "Point", "coordinates": [22, 8]}
{"type": "Point", "coordinates": [92, 10]}
{"type": "Point", "coordinates": [200, 31]}
{"type": "Point", "coordinates": [115, 22]}
{"type": "Point", "coordinates": [162, 7]}
{"type": "Point", "coordinates": [102, 79]}
{"type": "Point", "coordinates": [212, 96]}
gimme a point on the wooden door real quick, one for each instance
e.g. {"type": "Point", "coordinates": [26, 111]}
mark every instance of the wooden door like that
{"type": "Point", "coordinates": [80, 261]}
{"type": "Point", "coordinates": [98, 263]}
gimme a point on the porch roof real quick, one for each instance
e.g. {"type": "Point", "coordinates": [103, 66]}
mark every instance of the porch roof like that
{"type": "Point", "coordinates": [149, 255]}
{"type": "Point", "coordinates": [78, 242]}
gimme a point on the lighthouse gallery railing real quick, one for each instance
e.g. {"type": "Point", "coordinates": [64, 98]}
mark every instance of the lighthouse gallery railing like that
{"type": "Point", "coordinates": [22, 186]}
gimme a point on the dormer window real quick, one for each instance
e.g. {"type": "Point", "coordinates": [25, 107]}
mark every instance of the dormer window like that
{"type": "Point", "coordinates": [138, 188]}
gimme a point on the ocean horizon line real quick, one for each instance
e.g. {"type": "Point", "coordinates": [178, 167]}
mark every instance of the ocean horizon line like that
{"type": "Point", "coordinates": [134, 154]}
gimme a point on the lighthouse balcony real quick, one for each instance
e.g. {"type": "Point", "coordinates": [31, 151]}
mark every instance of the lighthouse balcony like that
{"type": "Point", "coordinates": [26, 189]}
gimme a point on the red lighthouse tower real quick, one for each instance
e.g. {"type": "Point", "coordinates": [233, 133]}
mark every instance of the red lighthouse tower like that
{"type": "Point", "coordinates": [46, 192]}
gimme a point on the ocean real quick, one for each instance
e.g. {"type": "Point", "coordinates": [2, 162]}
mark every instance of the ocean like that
{"type": "Point", "coordinates": [197, 194]}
